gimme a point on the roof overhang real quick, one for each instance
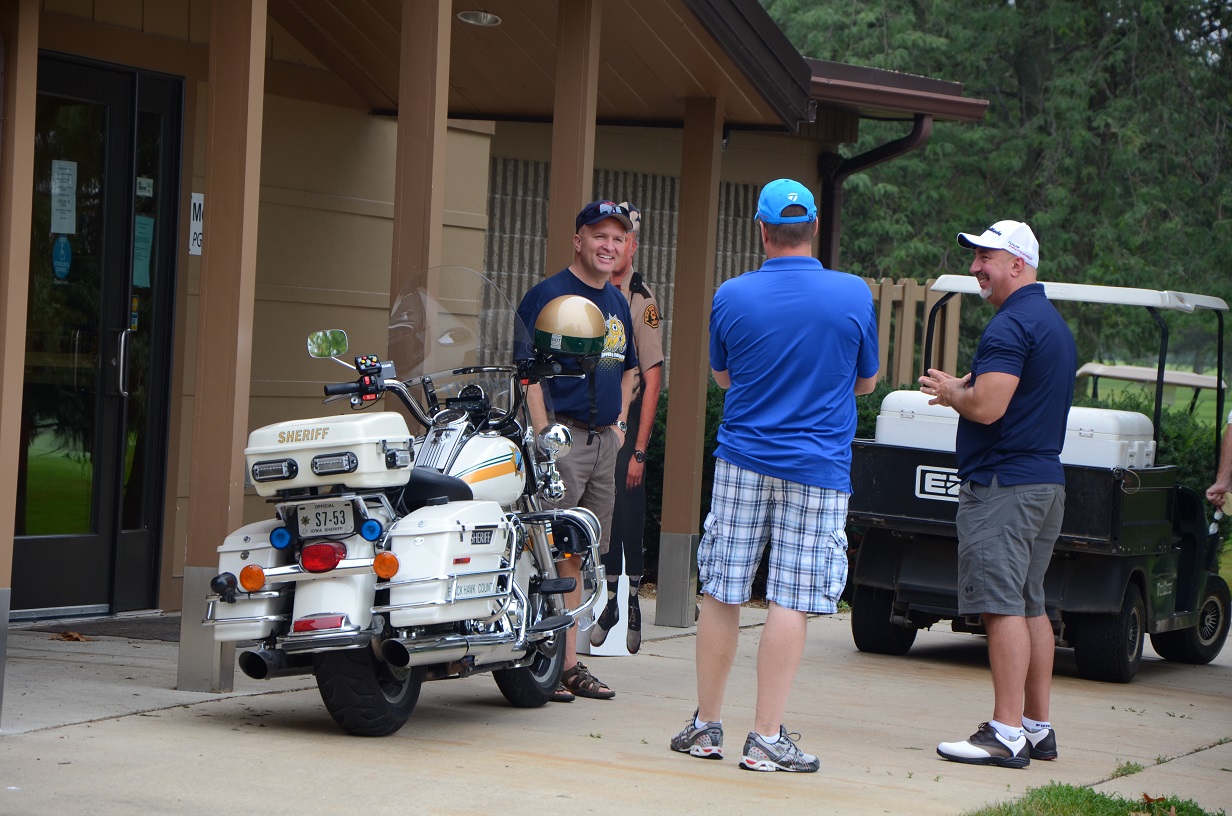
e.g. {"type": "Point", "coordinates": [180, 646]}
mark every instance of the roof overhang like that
{"type": "Point", "coordinates": [876, 93]}
{"type": "Point", "coordinates": [653, 57]}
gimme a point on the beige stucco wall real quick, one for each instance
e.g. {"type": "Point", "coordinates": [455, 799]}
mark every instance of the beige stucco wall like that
{"type": "Point", "coordinates": [750, 157]}
{"type": "Point", "coordinates": [324, 255]}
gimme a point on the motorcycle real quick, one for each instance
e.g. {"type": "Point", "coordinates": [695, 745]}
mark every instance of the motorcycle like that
{"type": "Point", "coordinates": [394, 559]}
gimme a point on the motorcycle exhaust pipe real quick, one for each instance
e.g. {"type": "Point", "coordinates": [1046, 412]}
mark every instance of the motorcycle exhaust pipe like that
{"type": "Point", "coordinates": [262, 664]}
{"type": "Point", "coordinates": [402, 654]}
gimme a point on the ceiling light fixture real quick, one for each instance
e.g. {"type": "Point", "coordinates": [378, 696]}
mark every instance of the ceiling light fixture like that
{"type": "Point", "coordinates": [479, 18]}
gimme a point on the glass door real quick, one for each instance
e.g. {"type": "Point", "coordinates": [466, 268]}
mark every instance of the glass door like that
{"type": "Point", "coordinates": [93, 427]}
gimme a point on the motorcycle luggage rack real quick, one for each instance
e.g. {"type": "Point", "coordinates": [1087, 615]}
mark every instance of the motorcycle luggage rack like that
{"type": "Point", "coordinates": [211, 602]}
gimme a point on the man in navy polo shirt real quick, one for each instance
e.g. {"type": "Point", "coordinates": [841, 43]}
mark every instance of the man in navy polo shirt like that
{"type": "Point", "coordinates": [1012, 410]}
{"type": "Point", "coordinates": [596, 411]}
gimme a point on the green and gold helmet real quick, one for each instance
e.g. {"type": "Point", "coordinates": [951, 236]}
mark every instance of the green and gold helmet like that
{"type": "Point", "coordinates": [570, 324]}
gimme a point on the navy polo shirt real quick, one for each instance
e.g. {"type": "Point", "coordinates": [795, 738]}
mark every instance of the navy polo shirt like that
{"type": "Point", "coordinates": [570, 396]}
{"type": "Point", "coordinates": [1028, 338]}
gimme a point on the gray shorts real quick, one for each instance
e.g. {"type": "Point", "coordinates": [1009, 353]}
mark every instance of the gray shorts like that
{"type": "Point", "coordinates": [1005, 541]}
{"type": "Point", "coordinates": [589, 474]}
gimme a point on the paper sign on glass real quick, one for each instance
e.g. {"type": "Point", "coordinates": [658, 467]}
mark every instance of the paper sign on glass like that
{"type": "Point", "coordinates": [63, 197]}
{"type": "Point", "coordinates": [143, 242]}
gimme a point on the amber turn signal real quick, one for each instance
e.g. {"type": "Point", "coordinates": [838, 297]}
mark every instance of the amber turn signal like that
{"type": "Point", "coordinates": [385, 565]}
{"type": "Point", "coordinates": [252, 578]}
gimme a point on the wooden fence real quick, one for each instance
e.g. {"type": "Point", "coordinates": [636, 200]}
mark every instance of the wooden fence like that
{"type": "Point", "coordinates": [902, 320]}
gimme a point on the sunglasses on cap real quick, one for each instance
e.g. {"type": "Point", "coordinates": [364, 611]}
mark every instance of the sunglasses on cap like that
{"type": "Point", "coordinates": [596, 211]}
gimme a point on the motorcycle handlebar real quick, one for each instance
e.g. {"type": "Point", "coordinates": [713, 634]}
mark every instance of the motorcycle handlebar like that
{"type": "Point", "coordinates": [336, 389]}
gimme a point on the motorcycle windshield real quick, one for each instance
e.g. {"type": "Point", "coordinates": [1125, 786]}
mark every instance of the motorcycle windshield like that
{"type": "Point", "coordinates": [446, 321]}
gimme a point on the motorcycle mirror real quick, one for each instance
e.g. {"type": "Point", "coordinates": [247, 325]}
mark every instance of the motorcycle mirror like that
{"type": "Point", "coordinates": [327, 343]}
{"type": "Point", "coordinates": [555, 441]}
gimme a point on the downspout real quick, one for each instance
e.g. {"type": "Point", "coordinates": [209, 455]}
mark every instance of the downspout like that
{"type": "Point", "coordinates": [833, 170]}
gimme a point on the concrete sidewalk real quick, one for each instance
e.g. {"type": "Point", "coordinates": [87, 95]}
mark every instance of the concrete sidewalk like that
{"type": "Point", "coordinates": [97, 727]}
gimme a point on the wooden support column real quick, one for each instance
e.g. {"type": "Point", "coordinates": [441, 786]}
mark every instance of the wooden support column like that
{"type": "Point", "coordinates": [18, 87]}
{"type": "Point", "coordinates": [224, 323]}
{"type": "Point", "coordinates": [686, 407]}
{"type": "Point", "coordinates": [419, 165]}
{"type": "Point", "coordinates": [573, 124]}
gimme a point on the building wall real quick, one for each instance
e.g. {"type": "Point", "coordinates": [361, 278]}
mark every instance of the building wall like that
{"type": "Point", "coordinates": [326, 211]}
{"type": "Point", "coordinates": [325, 220]}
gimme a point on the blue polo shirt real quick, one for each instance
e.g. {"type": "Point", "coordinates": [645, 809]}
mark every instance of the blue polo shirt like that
{"type": "Point", "coordinates": [793, 336]}
{"type": "Point", "coordinates": [1028, 338]}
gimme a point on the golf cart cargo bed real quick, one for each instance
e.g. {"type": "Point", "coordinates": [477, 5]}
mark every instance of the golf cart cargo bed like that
{"type": "Point", "coordinates": [1118, 511]}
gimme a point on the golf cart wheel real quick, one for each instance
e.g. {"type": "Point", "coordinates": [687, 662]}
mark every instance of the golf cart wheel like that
{"type": "Point", "coordinates": [366, 696]}
{"type": "Point", "coordinates": [871, 628]}
{"type": "Point", "coordinates": [1109, 647]}
{"type": "Point", "coordinates": [1202, 643]}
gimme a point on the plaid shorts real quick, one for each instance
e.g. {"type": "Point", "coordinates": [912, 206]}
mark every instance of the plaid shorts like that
{"type": "Point", "coordinates": [804, 526]}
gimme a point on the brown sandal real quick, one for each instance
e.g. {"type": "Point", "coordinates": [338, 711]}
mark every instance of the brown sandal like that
{"type": "Point", "coordinates": [581, 682]}
{"type": "Point", "coordinates": [562, 694]}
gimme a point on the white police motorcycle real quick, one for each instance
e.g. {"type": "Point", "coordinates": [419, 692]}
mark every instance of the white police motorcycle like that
{"type": "Point", "coordinates": [392, 559]}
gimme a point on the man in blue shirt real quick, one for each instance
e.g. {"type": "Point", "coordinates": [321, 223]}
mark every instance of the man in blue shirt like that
{"type": "Point", "coordinates": [595, 410]}
{"type": "Point", "coordinates": [793, 343]}
{"type": "Point", "coordinates": [1012, 410]}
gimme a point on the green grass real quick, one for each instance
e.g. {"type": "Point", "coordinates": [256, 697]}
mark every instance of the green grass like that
{"type": "Point", "coordinates": [1067, 800]}
{"type": "Point", "coordinates": [58, 490]}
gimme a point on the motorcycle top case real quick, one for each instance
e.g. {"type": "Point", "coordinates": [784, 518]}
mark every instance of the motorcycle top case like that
{"type": "Point", "coordinates": [450, 563]}
{"type": "Point", "coordinates": [352, 450]}
{"type": "Point", "coordinates": [1094, 437]}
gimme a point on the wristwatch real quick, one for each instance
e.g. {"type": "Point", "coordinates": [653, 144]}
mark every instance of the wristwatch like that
{"type": "Point", "coordinates": [622, 425]}
{"type": "Point", "coordinates": [639, 455]}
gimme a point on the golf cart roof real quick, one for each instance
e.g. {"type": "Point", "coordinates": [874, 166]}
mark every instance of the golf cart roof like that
{"type": "Point", "coordinates": [1091, 293]}
{"type": "Point", "coordinates": [1149, 374]}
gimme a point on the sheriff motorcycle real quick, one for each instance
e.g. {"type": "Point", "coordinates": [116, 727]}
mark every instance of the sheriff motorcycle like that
{"type": "Point", "coordinates": [392, 559]}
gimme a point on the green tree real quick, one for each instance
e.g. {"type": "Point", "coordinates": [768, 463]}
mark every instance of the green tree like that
{"type": "Point", "coordinates": [1107, 130]}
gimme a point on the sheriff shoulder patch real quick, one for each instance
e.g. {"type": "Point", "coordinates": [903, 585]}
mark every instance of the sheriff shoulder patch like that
{"type": "Point", "coordinates": [651, 316]}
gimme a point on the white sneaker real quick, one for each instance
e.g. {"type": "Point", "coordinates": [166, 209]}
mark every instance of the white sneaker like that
{"type": "Point", "coordinates": [987, 747]}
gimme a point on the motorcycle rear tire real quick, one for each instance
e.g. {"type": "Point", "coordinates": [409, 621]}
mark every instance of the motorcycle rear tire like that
{"type": "Point", "coordinates": [532, 686]}
{"type": "Point", "coordinates": [365, 695]}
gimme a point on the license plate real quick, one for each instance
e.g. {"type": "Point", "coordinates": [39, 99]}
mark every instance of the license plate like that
{"type": "Point", "coordinates": [325, 519]}
{"type": "Point", "coordinates": [471, 590]}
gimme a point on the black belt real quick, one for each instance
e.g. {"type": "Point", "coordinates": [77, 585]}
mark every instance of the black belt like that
{"type": "Point", "coordinates": [580, 425]}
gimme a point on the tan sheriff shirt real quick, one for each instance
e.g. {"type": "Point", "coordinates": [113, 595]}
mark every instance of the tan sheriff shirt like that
{"type": "Point", "coordinates": [647, 326]}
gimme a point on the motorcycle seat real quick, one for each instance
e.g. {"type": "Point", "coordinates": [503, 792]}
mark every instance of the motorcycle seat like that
{"type": "Point", "coordinates": [427, 485]}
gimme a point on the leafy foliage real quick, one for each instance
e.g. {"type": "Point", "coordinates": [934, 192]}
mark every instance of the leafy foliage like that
{"type": "Point", "coordinates": [1107, 130]}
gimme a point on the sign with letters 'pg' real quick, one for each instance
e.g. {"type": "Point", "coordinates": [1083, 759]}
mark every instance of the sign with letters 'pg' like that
{"type": "Point", "coordinates": [196, 225]}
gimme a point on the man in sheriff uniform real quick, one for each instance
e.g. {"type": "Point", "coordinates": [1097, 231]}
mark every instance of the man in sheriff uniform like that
{"type": "Point", "coordinates": [629, 514]}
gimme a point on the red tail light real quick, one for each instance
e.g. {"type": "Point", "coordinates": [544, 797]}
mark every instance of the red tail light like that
{"type": "Point", "coordinates": [319, 623]}
{"type": "Point", "coordinates": [322, 557]}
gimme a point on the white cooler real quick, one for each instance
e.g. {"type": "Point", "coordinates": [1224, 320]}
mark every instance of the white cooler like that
{"type": "Point", "coordinates": [1094, 437]}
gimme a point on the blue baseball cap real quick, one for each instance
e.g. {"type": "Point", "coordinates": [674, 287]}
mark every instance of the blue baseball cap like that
{"type": "Point", "coordinates": [780, 194]}
{"type": "Point", "coordinates": [596, 211]}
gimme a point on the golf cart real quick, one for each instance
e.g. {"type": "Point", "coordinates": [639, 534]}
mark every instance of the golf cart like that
{"type": "Point", "coordinates": [1136, 555]}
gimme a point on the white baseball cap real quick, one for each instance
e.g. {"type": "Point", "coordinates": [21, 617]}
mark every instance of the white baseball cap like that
{"type": "Point", "coordinates": [1014, 237]}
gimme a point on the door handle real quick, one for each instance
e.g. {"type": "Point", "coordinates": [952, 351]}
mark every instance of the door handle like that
{"type": "Point", "coordinates": [122, 363]}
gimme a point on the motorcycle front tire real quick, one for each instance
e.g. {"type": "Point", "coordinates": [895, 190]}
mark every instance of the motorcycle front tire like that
{"type": "Point", "coordinates": [365, 695]}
